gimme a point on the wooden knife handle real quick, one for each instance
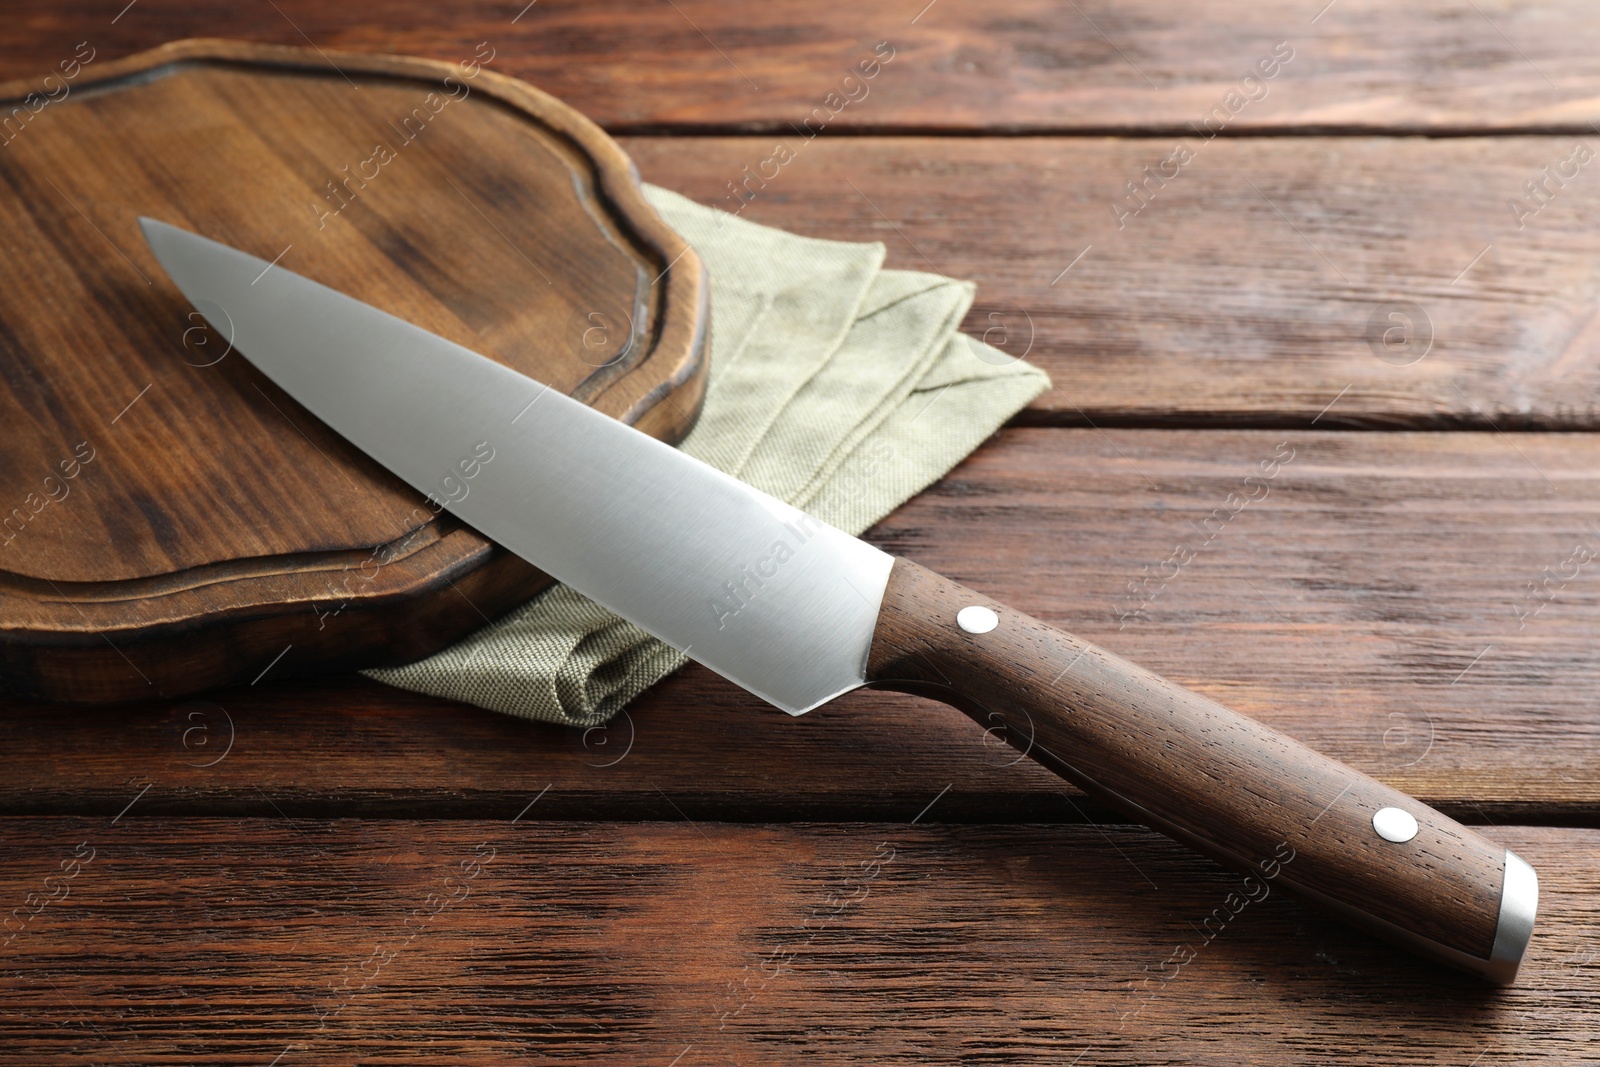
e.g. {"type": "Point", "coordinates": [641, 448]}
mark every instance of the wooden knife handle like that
{"type": "Point", "coordinates": [1225, 784]}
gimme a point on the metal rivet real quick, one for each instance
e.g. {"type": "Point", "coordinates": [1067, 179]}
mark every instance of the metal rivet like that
{"type": "Point", "coordinates": [1394, 824]}
{"type": "Point", "coordinates": [977, 619]}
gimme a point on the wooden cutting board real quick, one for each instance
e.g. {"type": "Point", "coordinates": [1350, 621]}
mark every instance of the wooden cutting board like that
{"type": "Point", "coordinates": [170, 520]}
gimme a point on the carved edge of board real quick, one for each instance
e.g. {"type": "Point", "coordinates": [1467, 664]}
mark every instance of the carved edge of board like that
{"type": "Point", "coordinates": [77, 644]}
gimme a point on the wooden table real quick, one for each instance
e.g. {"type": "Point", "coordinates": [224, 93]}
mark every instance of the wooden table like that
{"type": "Point", "coordinates": [339, 872]}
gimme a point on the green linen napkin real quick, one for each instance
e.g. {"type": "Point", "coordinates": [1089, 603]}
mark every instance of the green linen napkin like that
{"type": "Point", "coordinates": [840, 387]}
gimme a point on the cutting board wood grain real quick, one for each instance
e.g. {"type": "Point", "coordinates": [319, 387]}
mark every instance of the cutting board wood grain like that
{"type": "Point", "coordinates": [169, 519]}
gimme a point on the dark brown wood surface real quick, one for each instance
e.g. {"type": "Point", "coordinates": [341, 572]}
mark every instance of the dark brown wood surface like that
{"type": "Point", "coordinates": [1417, 605]}
{"type": "Point", "coordinates": [394, 942]}
{"type": "Point", "coordinates": [1253, 288]}
{"type": "Point", "coordinates": [172, 521]}
{"type": "Point", "coordinates": [1368, 606]}
{"type": "Point", "coordinates": [1024, 65]}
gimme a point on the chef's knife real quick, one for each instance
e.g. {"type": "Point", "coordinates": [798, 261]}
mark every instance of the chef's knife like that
{"type": "Point", "coordinates": [798, 612]}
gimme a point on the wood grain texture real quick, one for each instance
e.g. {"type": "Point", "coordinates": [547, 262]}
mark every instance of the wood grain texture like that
{"type": "Point", "coordinates": [1254, 287]}
{"type": "Point", "coordinates": [1374, 618]}
{"type": "Point", "coordinates": [1254, 798]}
{"type": "Point", "coordinates": [1014, 65]}
{"type": "Point", "coordinates": [1368, 606]}
{"type": "Point", "coordinates": [233, 941]}
{"type": "Point", "coordinates": [172, 520]}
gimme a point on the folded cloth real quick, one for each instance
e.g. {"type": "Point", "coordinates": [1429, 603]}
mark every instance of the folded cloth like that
{"type": "Point", "coordinates": [835, 385]}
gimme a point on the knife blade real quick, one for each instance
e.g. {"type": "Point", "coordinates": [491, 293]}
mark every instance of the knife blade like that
{"type": "Point", "coordinates": [798, 612]}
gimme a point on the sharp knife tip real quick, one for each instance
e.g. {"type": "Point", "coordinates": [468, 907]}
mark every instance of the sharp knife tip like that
{"type": "Point", "coordinates": [155, 229]}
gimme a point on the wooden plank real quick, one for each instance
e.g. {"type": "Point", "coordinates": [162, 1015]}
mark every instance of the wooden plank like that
{"type": "Point", "coordinates": [1020, 64]}
{"type": "Point", "coordinates": [1374, 603]}
{"type": "Point", "coordinates": [1258, 285]}
{"type": "Point", "coordinates": [236, 941]}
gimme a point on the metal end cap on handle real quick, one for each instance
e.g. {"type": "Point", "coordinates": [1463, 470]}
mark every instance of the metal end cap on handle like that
{"type": "Point", "coordinates": [1519, 905]}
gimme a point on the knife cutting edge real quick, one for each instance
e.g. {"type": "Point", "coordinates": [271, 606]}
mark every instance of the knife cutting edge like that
{"type": "Point", "coordinates": [798, 612]}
